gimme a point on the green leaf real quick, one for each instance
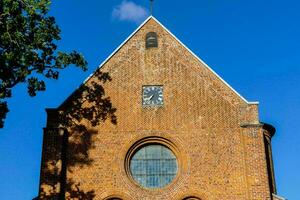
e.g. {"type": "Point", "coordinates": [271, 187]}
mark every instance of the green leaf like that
{"type": "Point", "coordinates": [28, 37]}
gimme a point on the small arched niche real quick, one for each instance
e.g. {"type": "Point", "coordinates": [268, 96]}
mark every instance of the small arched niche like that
{"type": "Point", "coordinates": [151, 40]}
{"type": "Point", "coordinates": [191, 198]}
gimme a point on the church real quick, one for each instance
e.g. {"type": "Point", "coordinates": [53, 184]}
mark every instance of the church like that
{"type": "Point", "coordinates": [154, 122]}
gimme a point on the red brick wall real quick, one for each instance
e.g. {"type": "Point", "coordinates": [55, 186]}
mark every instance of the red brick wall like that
{"type": "Point", "coordinates": [221, 157]}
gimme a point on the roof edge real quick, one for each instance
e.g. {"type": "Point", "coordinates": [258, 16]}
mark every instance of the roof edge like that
{"type": "Point", "coordinates": [119, 47]}
{"type": "Point", "coordinates": [199, 59]}
{"type": "Point", "coordinates": [105, 61]}
{"type": "Point", "coordinates": [209, 68]}
{"type": "Point", "coordinates": [279, 197]}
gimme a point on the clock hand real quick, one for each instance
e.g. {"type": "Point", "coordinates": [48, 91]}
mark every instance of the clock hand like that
{"type": "Point", "coordinates": [149, 98]}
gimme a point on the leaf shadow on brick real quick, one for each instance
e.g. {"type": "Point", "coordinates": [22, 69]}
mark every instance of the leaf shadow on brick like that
{"type": "Point", "coordinates": [74, 124]}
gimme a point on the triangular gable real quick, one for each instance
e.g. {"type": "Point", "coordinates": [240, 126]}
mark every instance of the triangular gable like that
{"type": "Point", "coordinates": [192, 53]}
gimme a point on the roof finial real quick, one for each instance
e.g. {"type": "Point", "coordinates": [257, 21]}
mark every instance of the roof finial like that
{"type": "Point", "coordinates": [151, 7]}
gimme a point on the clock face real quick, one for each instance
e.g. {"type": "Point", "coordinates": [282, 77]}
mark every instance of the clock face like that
{"type": "Point", "coordinates": [153, 95]}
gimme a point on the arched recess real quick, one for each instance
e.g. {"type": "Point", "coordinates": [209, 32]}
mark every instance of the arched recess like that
{"type": "Point", "coordinates": [114, 195]}
{"type": "Point", "coordinates": [191, 198]}
{"type": "Point", "coordinates": [113, 198]}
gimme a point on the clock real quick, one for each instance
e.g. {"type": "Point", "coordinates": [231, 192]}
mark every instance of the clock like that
{"type": "Point", "coordinates": [153, 95]}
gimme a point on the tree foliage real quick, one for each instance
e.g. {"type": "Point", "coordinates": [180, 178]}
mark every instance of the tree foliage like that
{"type": "Point", "coordinates": [28, 50]}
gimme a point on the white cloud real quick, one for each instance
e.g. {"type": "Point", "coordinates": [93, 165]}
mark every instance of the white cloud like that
{"type": "Point", "coordinates": [129, 11]}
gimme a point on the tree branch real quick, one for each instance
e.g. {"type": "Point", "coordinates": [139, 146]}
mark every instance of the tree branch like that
{"type": "Point", "coordinates": [11, 40]}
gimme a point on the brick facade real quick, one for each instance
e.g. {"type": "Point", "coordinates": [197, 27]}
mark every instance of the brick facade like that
{"type": "Point", "coordinates": [221, 146]}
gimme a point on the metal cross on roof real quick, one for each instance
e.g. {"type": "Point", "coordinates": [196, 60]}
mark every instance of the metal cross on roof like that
{"type": "Point", "coordinates": [151, 7]}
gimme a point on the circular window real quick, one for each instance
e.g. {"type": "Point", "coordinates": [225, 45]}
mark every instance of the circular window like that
{"type": "Point", "coordinates": [153, 166]}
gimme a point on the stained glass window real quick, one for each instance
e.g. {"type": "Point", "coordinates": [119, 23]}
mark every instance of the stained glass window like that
{"type": "Point", "coordinates": [153, 166]}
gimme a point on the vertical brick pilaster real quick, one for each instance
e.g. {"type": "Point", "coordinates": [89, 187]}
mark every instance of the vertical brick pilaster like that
{"type": "Point", "coordinates": [51, 165]}
{"type": "Point", "coordinates": [256, 166]}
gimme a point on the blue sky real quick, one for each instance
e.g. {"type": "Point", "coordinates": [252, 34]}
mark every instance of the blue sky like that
{"type": "Point", "coordinates": [253, 45]}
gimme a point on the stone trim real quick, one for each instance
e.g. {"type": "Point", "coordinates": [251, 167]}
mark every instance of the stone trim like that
{"type": "Point", "coordinates": [276, 197]}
